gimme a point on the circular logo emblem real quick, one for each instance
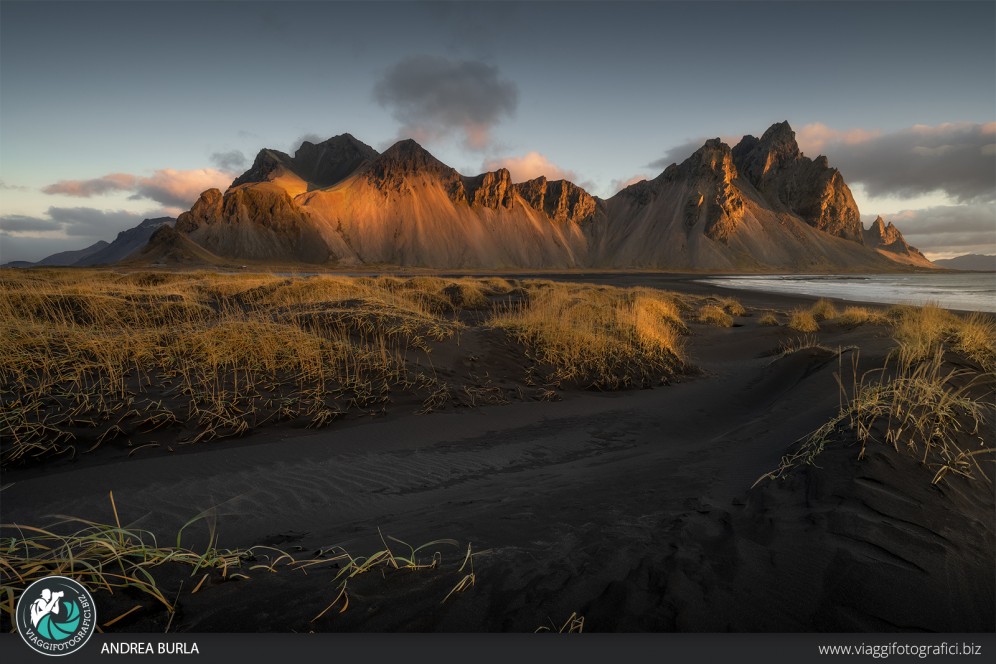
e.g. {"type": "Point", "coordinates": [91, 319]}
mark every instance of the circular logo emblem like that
{"type": "Point", "coordinates": [56, 616]}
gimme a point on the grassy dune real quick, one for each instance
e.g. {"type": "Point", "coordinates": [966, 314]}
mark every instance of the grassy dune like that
{"type": "Point", "coordinates": [160, 359]}
{"type": "Point", "coordinates": [926, 401]}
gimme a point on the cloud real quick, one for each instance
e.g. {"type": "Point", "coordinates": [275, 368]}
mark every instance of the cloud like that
{"type": "Point", "coordinates": [432, 97]}
{"type": "Point", "coordinates": [180, 188]}
{"type": "Point", "coordinates": [167, 186]}
{"type": "Point", "coordinates": [19, 223]}
{"type": "Point", "coordinates": [953, 158]}
{"type": "Point", "coordinates": [958, 229]}
{"type": "Point", "coordinates": [12, 187]}
{"type": "Point", "coordinates": [813, 137]}
{"type": "Point", "coordinates": [528, 167]}
{"type": "Point", "coordinates": [93, 187]}
{"type": "Point", "coordinates": [231, 162]}
{"type": "Point", "coordinates": [615, 186]}
{"type": "Point", "coordinates": [73, 222]}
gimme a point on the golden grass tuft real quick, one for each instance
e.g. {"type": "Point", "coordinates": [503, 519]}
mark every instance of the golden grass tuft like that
{"type": "Point", "coordinates": [769, 320]}
{"type": "Point", "coordinates": [802, 320]}
{"type": "Point", "coordinates": [823, 310]}
{"type": "Point", "coordinates": [731, 306]}
{"type": "Point", "coordinates": [712, 314]}
{"type": "Point", "coordinates": [975, 337]}
{"type": "Point", "coordinates": [855, 316]}
{"type": "Point", "coordinates": [598, 336]}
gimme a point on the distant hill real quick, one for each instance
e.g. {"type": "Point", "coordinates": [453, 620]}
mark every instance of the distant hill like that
{"type": "Point", "coordinates": [101, 252]}
{"type": "Point", "coordinates": [978, 262]}
{"type": "Point", "coordinates": [72, 257]}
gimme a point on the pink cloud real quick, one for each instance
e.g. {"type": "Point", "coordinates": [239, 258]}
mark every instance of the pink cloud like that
{"type": "Point", "coordinates": [530, 166]}
{"type": "Point", "coordinates": [93, 187]}
{"type": "Point", "coordinates": [167, 186]}
{"type": "Point", "coordinates": [814, 137]}
{"type": "Point", "coordinates": [618, 185]}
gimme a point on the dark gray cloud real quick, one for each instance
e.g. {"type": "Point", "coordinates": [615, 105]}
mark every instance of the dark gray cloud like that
{"type": "Point", "coordinates": [12, 187]}
{"type": "Point", "coordinates": [231, 162]}
{"type": "Point", "coordinates": [19, 223]}
{"type": "Point", "coordinates": [91, 222]}
{"type": "Point", "coordinates": [958, 159]}
{"type": "Point", "coordinates": [75, 222]}
{"type": "Point", "coordinates": [433, 96]}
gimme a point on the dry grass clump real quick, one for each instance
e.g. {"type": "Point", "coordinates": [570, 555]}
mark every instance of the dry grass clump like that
{"type": "Point", "coordinates": [802, 320]}
{"type": "Point", "coordinates": [975, 337]}
{"type": "Point", "coordinates": [855, 316]}
{"type": "Point", "coordinates": [712, 314]}
{"type": "Point", "coordinates": [599, 337]}
{"type": "Point", "coordinates": [103, 557]}
{"type": "Point", "coordinates": [823, 310]}
{"type": "Point", "coordinates": [922, 331]}
{"type": "Point", "coordinates": [769, 319]}
{"type": "Point", "coordinates": [921, 403]}
{"type": "Point", "coordinates": [133, 565]}
{"type": "Point", "coordinates": [732, 306]}
{"type": "Point", "coordinates": [923, 408]}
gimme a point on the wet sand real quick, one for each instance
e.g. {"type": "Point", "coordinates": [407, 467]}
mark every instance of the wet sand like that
{"type": "Point", "coordinates": [633, 508]}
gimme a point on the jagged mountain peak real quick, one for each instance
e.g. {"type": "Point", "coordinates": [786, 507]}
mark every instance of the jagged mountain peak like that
{"type": "Point", "coordinates": [888, 241]}
{"type": "Point", "coordinates": [406, 159]}
{"type": "Point", "coordinates": [780, 134]}
{"type": "Point", "coordinates": [713, 159]}
{"type": "Point", "coordinates": [316, 165]}
{"type": "Point", "coordinates": [761, 158]}
{"type": "Point", "coordinates": [790, 181]}
{"type": "Point", "coordinates": [409, 155]}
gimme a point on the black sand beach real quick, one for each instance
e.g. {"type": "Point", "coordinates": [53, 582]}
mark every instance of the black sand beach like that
{"type": "Point", "coordinates": [634, 509]}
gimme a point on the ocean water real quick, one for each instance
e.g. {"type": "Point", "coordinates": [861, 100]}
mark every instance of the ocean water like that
{"type": "Point", "coordinates": [974, 291]}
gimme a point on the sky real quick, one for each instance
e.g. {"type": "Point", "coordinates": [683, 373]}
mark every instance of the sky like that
{"type": "Point", "coordinates": [112, 112]}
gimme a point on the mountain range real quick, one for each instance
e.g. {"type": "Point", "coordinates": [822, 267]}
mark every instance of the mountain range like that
{"type": "Point", "coordinates": [759, 206]}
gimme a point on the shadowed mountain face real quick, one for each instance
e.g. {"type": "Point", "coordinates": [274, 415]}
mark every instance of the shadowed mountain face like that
{"type": "Point", "coordinates": [760, 206]}
{"type": "Point", "coordinates": [792, 182]}
{"type": "Point", "coordinates": [126, 243]}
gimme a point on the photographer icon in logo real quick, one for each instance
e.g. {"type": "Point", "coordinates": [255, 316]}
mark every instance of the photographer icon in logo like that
{"type": "Point", "coordinates": [56, 616]}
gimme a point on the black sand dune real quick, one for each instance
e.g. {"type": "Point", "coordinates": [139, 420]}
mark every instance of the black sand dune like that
{"type": "Point", "coordinates": [633, 509]}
